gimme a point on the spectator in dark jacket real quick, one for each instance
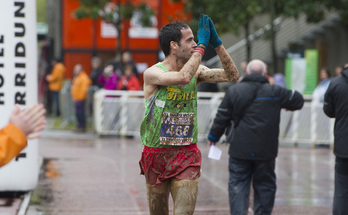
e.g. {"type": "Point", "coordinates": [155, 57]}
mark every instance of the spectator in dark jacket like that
{"type": "Point", "coordinates": [97, 70]}
{"type": "Point", "coordinates": [336, 106]}
{"type": "Point", "coordinates": [253, 106]}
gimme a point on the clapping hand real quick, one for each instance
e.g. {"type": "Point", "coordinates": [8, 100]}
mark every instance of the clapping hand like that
{"type": "Point", "coordinates": [215, 41]}
{"type": "Point", "coordinates": [30, 120]}
{"type": "Point", "coordinates": [203, 33]}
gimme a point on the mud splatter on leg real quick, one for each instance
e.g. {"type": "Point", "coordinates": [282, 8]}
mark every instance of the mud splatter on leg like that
{"type": "Point", "coordinates": [184, 193]}
{"type": "Point", "coordinates": [157, 197]}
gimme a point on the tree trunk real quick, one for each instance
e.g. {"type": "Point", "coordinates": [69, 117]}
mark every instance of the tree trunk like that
{"type": "Point", "coordinates": [119, 36]}
{"type": "Point", "coordinates": [248, 43]}
{"type": "Point", "coordinates": [273, 42]}
{"type": "Point", "coordinates": [94, 49]}
{"type": "Point", "coordinates": [118, 41]}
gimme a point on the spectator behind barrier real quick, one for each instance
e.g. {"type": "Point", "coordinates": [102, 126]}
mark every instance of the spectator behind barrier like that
{"type": "Point", "coordinates": [129, 81]}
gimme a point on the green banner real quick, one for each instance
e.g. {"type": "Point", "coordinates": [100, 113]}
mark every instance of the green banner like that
{"type": "Point", "coordinates": [311, 56]}
{"type": "Point", "coordinates": [288, 72]}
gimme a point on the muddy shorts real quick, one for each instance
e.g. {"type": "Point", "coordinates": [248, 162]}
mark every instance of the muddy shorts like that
{"type": "Point", "coordinates": [160, 164]}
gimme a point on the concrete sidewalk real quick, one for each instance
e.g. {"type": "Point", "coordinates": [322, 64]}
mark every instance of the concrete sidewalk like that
{"type": "Point", "coordinates": [86, 175]}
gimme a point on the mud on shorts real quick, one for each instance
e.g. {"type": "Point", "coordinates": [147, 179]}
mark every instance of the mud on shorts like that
{"type": "Point", "coordinates": [160, 164]}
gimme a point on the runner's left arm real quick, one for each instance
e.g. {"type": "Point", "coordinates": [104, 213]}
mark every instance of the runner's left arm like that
{"type": "Point", "coordinates": [228, 73]}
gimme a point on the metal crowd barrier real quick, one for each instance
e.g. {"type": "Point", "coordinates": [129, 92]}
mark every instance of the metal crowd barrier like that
{"type": "Point", "coordinates": [121, 112]}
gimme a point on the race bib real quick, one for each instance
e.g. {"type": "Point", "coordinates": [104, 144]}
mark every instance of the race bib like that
{"type": "Point", "coordinates": [176, 128]}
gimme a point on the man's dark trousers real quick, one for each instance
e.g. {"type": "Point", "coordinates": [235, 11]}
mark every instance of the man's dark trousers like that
{"type": "Point", "coordinates": [340, 206]}
{"type": "Point", "coordinates": [80, 114]}
{"type": "Point", "coordinates": [242, 172]}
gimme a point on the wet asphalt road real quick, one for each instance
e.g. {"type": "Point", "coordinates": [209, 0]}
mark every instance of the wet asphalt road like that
{"type": "Point", "coordinates": [86, 175]}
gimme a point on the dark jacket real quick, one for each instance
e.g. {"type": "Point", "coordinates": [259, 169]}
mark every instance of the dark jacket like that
{"type": "Point", "coordinates": [256, 135]}
{"type": "Point", "coordinates": [336, 106]}
{"type": "Point", "coordinates": [95, 75]}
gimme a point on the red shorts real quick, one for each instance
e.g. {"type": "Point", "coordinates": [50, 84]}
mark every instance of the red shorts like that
{"type": "Point", "coordinates": [160, 164]}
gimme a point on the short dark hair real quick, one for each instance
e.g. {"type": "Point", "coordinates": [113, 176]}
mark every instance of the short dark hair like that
{"type": "Point", "coordinates": [171, 32]}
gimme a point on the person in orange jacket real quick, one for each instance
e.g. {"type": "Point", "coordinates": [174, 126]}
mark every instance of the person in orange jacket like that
{"type": "Point", "coordinates": [79, 90]}
{"type": "Point", "coordinates": [23, 125]}
{"type": "Point", "coordinates": [55, 83]}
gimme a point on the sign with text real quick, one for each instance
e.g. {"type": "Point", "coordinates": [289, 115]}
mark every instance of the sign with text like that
{"type": "Point", "coordinates": [18, 85]}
